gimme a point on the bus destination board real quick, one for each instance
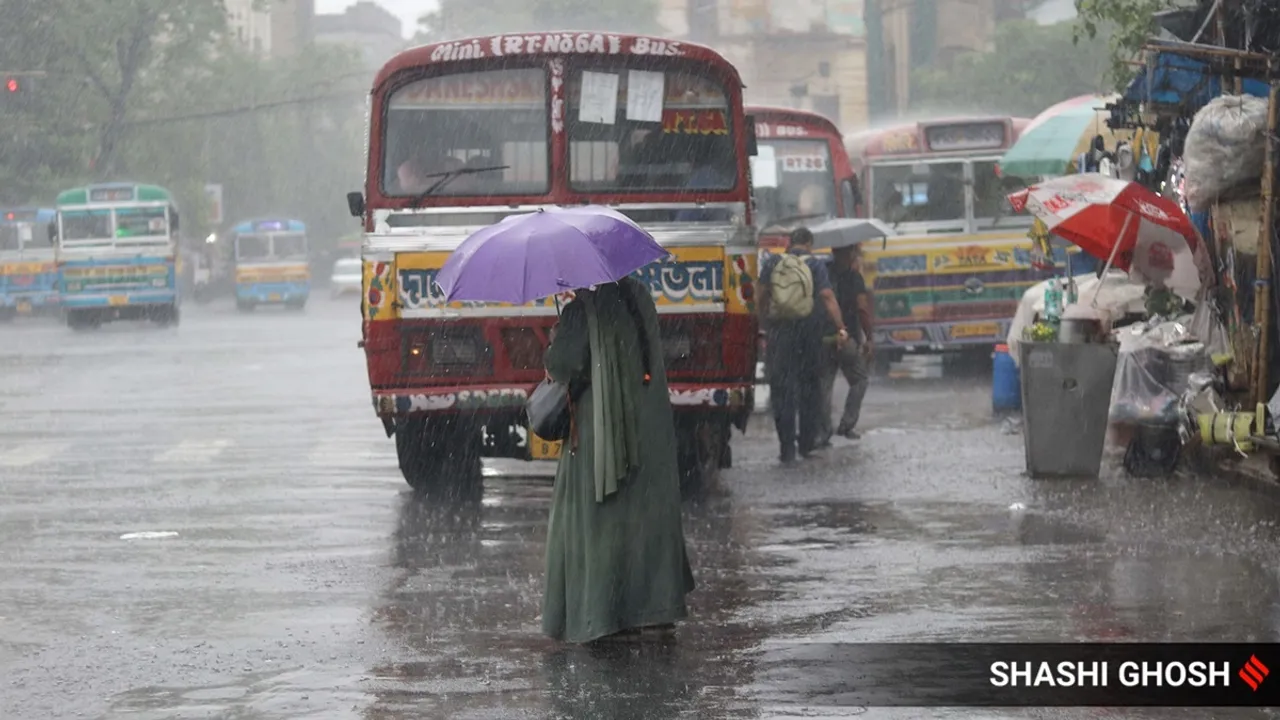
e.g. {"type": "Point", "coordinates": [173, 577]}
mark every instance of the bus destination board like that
{"type": "Point", "coordinates": [966, 136]}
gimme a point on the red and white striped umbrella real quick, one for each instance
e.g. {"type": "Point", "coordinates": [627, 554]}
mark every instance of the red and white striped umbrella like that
{"type": "Point", "coordinates": [1124, 224]}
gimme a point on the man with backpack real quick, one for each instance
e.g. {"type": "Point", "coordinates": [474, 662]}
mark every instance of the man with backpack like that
{"type": "Point", "coordinates": [795, 296]}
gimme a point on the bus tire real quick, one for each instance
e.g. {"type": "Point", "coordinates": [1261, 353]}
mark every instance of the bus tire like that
{"type": "Point", "coordinates": [166, 315]}
{"type": "Point", "coordinates": [7, 314]}
{"type": "Point", "coordinates": [297, 305]}
{"type": "Point", "coordinates": [701, 451]}
{"type": "Point", "coordinates": [245, 306]}
{"type": "Point", "coordinates": [83, 319]}
{"type": "Point", "coordinates": [438, 454]}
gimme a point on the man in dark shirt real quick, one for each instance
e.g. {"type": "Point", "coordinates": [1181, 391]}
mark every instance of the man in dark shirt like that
{"type": "Point", "coordinates": [851, 358]}
{"type": "Point", "coordinates": [793, 356]}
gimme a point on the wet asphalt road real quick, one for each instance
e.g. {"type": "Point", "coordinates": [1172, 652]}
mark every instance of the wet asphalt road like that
{"type": "Point", "coordinates": [207, 522]}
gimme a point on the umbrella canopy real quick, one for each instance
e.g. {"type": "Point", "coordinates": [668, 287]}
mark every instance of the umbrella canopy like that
{"type": "Point", "coordinates": [1123, 223]}
{"type": "Point", "coordinates": [536, 255]}
{"type": "Point", "coordinates": [845, 232]}
{"type": "Point", "coordinates": [1050, 144]}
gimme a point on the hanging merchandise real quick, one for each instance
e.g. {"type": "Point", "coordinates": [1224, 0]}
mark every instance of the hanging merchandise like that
{"type": "Point", "coordinates": [1225, 147]}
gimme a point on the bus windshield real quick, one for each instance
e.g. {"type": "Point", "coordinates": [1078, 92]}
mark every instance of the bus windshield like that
{"type": "Point", "coordinates": [142, 222]}
{"type": "Point", "coordinates": [289, 247]}
{"type": "Point", "coordinates": [806, 185]}
{"type": "Point", "coordinates": [469, 120]}
{"type": "Point", "coordinates": [253, 247]}
{"type": "Point", "coordinates": [639, 130]}
{"type": "Point", "coordinates": [86, 225]}
{"type": "Point", "coordinates": [991, 192]}
{"type": "Point", "coordinates": [10, 238]}
{"type": "Point", "coordinates": [924, 192]}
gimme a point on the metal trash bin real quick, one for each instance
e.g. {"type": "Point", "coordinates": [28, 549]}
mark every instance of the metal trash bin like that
{"type": "Point", "coordinates": [1066, 399]}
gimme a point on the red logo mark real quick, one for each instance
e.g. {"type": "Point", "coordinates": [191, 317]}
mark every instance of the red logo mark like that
{"type": "Point", "coordinates": [1253, 672]}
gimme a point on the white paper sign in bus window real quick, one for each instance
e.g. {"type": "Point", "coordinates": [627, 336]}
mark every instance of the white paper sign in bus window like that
{"type": "Point", "coordinates": [598, 101]}
{"type": "Point", "coordinates": [804, 163]}
{"type": "Point", "coordinates": [645, 91]}
{"type": "Point", "coordinates": [764, 167]}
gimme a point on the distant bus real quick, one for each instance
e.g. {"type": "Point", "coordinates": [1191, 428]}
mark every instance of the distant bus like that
{"type": "Point", "coordinates": [954, 274]}
{"type": "Point", "coordinates": [28, 273]}
{"type": "Point", "coordinates": [271, 259]}
{"type": "Point", "coordinates": [116, 249]}
{"type": "Point", "coordinates": [801, 174]}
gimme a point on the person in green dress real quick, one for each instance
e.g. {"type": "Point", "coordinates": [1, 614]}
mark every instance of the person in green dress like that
{"type": "Point", "coordinates": [617, 564]}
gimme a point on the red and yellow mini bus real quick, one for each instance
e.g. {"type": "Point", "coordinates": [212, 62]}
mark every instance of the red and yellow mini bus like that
{"type": "Point", "coordinates": [654, 128]}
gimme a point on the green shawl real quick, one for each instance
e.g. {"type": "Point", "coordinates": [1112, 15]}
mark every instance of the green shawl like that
{"type": "Point", "coordinates": [616, 387]}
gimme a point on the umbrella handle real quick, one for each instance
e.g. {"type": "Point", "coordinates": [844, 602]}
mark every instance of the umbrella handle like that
{"type": "Point", "coordinates": [1111, 259]}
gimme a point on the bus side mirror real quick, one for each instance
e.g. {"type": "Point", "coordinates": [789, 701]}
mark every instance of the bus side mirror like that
{"type": "Point", "coordinates": [355, 204]}
{"type": "Point", "coordinates": [752, 146]}
{"type": "Point", "coordinates": [174, 222]}
{"type": "Point", "coordinates": [53, 232]}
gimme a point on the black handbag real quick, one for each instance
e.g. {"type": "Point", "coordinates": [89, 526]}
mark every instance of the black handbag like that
{"type": "Point", "coordinates": [548, 410]}
{"type": "Point", "coordinates": [548, 407]}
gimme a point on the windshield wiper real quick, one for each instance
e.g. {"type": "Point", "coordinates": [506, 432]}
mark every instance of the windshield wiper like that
{"type": "Point", "coordinates": [449, 176]}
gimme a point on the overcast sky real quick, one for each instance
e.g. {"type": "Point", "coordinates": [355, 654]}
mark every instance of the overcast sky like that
{"type": "Point", "coordinates": [407, 10]}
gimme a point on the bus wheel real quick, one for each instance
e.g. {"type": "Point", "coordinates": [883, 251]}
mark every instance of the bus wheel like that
{"type": "Point", "coordinates": [701, 450]}
{"type": "Point", "coordinates": [438, 454]}
{"type": "Point", "coordinates": [296, 304]}
{"type": "Point", "coordinates": [83, 319]}
{"type": "Point", "coordinates": [7, 314]}
{"type": "Point", "coordinates": [166, 315]}
{"type": "Point", "coordinates": [245, 305]}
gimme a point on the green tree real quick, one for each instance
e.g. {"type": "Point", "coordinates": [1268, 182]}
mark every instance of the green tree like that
{"type": "Point", "coordinates": [110, 49]}
{"type": "Point", "coordinates": [1128, 23]}
{"type": "Point", "coordinates": [465, 18]}
{"type": "Point", "coordinates": [155, 91]}
{"type": "Point", "coordinates": [1029, 68]}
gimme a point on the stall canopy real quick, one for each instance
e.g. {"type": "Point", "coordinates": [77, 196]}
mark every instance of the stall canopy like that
{"type": "Point", "coordinates": [1176, 80]}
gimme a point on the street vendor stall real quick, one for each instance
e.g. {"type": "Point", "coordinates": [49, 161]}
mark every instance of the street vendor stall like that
{"type": "Point", "coordinates": [1086, 363]}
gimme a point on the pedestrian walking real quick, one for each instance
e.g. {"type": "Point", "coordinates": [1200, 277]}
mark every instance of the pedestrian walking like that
{"type": "Point", "coordinates": [795, 296]}
{"type": "Point", "coordinates": [851, 359]}
{"type": "Point", "coordinates": [616, 558]}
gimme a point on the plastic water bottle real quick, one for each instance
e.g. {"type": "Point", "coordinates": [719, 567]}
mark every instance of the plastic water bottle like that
{"type": "Point", "coordinates": [1053, 302]}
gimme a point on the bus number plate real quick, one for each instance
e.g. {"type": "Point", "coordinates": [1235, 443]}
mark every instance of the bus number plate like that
{"type": "Point", "coordinates": [117, 300]}
{"type": "Point", "coordinates": [975, 330]}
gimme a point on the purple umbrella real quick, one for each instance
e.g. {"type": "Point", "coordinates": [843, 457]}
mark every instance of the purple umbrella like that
{"type": "Point", "coordinates": [530, 257]}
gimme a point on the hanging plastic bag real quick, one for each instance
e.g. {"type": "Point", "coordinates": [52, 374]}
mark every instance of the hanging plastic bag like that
{"type": "Point", "coordinates": [1208, 329]}
{"type": "Point", "coordinates": [1225, 147]}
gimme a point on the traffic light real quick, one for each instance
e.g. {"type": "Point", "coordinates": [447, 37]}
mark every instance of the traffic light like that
{"type": "Point", "coordinates": [16, 90]}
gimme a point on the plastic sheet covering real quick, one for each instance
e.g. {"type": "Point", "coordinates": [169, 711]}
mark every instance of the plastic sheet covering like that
{"type": "Point", "coordinates": [1160, 364]}
{"type": "Point", "coordinates": [1208, 329]}
{"type": "Point", "coordinates": [1225, 147]}
{"type": "Point", "coordinates": [1118, 296]}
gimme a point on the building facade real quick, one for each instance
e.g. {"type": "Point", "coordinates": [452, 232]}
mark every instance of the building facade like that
{"type": "Point", "coordinates": [291, 25]}
{"type": "Point", "coordinates": [805, 54]}
{"type": "Point", "coordinates": [904, 36]}
{"type": "Point", "coordinates": [249, 25]}
{"type": "Point", "coordinates": [366, 26]}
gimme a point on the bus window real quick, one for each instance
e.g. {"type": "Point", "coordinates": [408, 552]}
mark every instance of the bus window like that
{"type": "Point", "coordinates": [806, 182]}
{"type": "Point", "coordinates": [285, 247]}
{"type": "Point", "coordinates": [253, 247]}
{"type": "Point", "coordinates": [690, 148]}
{"type": "Point", "coordinates": [141, 222]}
{"type": "Point", "coordinates": [991, 193]}
{"type": "Point", "coordinates": [471, 120]}
{"type": "Point", "coordinates": [10, 239]}
{"type": "Point", "coordinates": [86, 225]}
{"type": "Point", "coordinates": [922, 192]}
